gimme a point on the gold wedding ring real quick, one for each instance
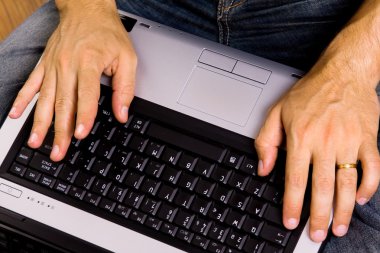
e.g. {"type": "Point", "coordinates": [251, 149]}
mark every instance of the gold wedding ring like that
{"type": "Point", "coordinates": [347, 165]}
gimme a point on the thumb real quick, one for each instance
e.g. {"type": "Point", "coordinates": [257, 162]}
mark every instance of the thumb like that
{"type": "Point", "coordinates": [268, 140]}
{"type": "Point", "coordinates": [123, 85]}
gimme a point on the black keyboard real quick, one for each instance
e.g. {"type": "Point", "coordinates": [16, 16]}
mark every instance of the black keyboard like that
{"type": "Point", "coordinates": [188, 191]}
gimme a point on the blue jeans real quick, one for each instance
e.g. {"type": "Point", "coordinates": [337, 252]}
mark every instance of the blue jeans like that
{"type": "Point", "coordinates": [293, 32]}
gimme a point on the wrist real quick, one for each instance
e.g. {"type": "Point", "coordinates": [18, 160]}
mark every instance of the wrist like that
{"type": "Point", "coordinates": [84, 7]}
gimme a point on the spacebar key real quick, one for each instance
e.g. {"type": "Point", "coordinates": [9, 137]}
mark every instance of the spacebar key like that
{"type": "Point", "coordinates": [186, 142]}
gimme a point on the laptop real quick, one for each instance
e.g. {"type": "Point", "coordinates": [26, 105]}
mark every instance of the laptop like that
{"type": "Point", "coordinates": [179, 176]}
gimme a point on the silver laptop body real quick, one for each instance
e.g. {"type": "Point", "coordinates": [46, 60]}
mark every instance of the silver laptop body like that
{"type": "Point", "coordinates": [216, 84]}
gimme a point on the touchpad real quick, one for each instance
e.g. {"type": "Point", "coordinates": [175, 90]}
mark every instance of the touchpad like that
{"type": "Point", "coordinates": [220, 96]}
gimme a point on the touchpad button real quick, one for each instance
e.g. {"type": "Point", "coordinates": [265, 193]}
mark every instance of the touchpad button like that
{"type": "Point", "coordinates": [220, 96]}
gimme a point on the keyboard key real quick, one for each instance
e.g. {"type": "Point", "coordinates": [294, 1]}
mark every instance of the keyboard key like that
{"type": "Point", "coordinates": [187, 181]}
{"type": "Point", "coordinates": [274, 214]}
{"type": "Point", "coordinates": [184, 235]}
{"type": "Point", "coordinates": [89, 144]}
{"type": "Point", "coordinates": [24, 156]}
{"type": "Point", "coordinates": [233, 160]}
{"type": "Point", "coordinates": [254, 245]}
{"type": "Point", "coordinates": [268, 248]}
{"type": "Point", "coordinates": [218, 212]}
{"type": "Point", "coordinates": [236, 239]}
{"type": "Point", "coordinates": [238, 200]}
{"type": "Point", "coordinates": [121, 158]}
{"type": "Point", "coordinates": [272, 194]}
{"type": "Point", "coordinates": [117, 193]}
{"type": "Point", "coordinates": [137, 162]}
{"type": "Point", "coordinates": [167, 193]}
{"type": "Point", "coordinates": [123, 211]}
{"type": "Point", "coordinates": [170, 175]}
{"type": "Point", "coordinates": [252, 226]}
{"type": "Point", "coordinates": [121, 137]}
{"type": "Point", "coordinates": [47, 181]}
{"type": "Point", "coordinates": [138, 125]}
{"type": "Point", "coordinates": [169, 229]}
{"type": "Point", "coordinates": [18, 169]}
{"type": "Point", "coordinates": [222, 194]}
{"type": "Point", "coordinates": [62, 187]}
{"type": "Point", "coordinates": [200, 241]}
{"type": "Point", "coordinates": [201, 205]}
{"type": "Point", "coordinates": [84, 162]}
{"type": "Point", "coordinates": [133, 199]}
{"type": "Point", "coordinates": [231, 250]}
{"type": "Point", "coordinates": [154, 149]}
{"type": "Point", "coordinates": [201, 226]}
{"type": "Point", "coordinates": [255, 187]}
{"type": "Point", "coordinates": [77, 193]}
{"type": "Point", "coordinates": [183, 199]}
{"type": "Point", "coordinates": [101, 187]}
{"type": "Point", "coordinates": [256, 207]}
{"type": "Point", "coordinates": [249, 166]}
{"type": "Point", "coordinates": [187, 162]}
{"type": "Point", "coordinates": [100, 167]}
{"type": "Point", "coordinates": [221, 174]}
{"type": "Point", "coordinates": [150, 186]}
{"type": "Point", "coordinates": [105, 149]}
{"type": "Point", "coordinates": [167, 212]}
{"type": "Point", "coordinates": [138, 143]}
{"type": "Point", "coordinates": [275, 234]}
{"type": "Point", "coordinates": [153, 223]}
{"type": "Point", "coordinates": [154, 169]}
{"type": "Point", "coordinates": [184, 219]}
{"type": "Point", "coordinates": [204, 168]}
{"type": "Point", "coordinates": [150, 206]}
{"type": "Point", "coordinates": [204, 187]}
{"type": "Point", "coordinates": [170, 156]}
{"type": "Point", "coordinates": [44, 164]}
{"type": "Point", "coordinates": [117, 175]}
{"type": "Point", "coordinates": [32, 175]}
{"type": "Point", "coordinates": [47, 145]}
{"type": "Point", "coordinates": [215, 247]}
{"type": "Point", "coordinates": [238, 181]}
{"type": "Point", "coordinates": [186, 142]}
{"type": "Point", "coordinates": [137, 216]}
{"type": "Point", "coordinates": [133, 180]}
{"type": "Point", "coordinates": [235, 219]}
{"type": "Point", "coordinates": [68, 174]}
{"type": "Point", "coordinates": [218, 232]}
{"type": "Point", "coordinates": [91, 198]}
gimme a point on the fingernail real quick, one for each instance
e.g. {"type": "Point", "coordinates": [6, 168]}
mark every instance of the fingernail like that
{"type": "Point", "coordinates": [341, 230]}
{"type": "Point", "coordinates": [55, 151]}
{"type": "Point", "coordinates": [33, 138]}
{"type": "Point", "coordinates": [292, 223]}
{"type": "Point", "coordinates": [362, 201]}
{"type": "Point", "coordinates": [260, 167]}
{"type": "Point", "coordinates": [12, 112]}
{"type": "Point", "coordinates": [318, 235]}
{"type": "Point", "coordinates": [124, 112]}
{"type": "Point", "coordinates": [79, 130]}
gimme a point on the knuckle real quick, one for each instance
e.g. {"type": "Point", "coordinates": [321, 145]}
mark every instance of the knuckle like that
{"type": "Point", "coordinates": [347, 182]}
{"type": "Point", "coordinates": [323, 183]}
{"type": "Point", "coordinates": [63, 104]}
{"type": "Point", "coordinates": [296, 180]}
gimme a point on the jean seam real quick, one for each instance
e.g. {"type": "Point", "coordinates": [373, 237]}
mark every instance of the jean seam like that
{"type": "Point", "coordinates": [227, 10]}
{"type": "Point", "coordinates": [219, 20]}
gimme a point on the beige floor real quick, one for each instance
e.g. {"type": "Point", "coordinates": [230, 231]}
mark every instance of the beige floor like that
{"type": "Point", "coordinates": [14, 12]}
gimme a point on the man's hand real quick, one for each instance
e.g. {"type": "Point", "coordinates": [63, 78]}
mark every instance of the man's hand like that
{"type": "Point", "coordinates": [330, 117]}
{"type": "Point", "coordinates": [89, 40]}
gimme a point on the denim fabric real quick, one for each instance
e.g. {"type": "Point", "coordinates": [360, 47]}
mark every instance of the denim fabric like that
{"type": "Point", "coordinates": [290, 31]}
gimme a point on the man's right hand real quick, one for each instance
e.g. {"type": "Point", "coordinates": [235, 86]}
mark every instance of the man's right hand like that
{"type": "Point", "coordinates": [90, 40]}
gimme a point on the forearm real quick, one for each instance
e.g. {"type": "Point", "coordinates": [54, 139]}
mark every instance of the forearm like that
{"type": "Point", "coordinates": [81, 7]}
{"type": "Point", "coordinates": [356, 48]}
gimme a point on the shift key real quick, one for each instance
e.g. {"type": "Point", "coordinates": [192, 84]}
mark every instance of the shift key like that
{"type": "Point", "coordinates": [44, 164]}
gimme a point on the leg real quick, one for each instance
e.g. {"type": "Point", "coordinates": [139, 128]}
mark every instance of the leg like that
{"type": "Point", "coordinates": [20, 52]}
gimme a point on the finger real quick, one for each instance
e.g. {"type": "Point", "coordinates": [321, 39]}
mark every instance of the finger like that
{"type": "Point", "coordinates": [296, 173]}
{"type": "Point", "coordinates": [345, 199]}
{"type": "Point", "coordinates": [123, 83]}
{"type": "Point", "coordinates": [43, 114]}
{"type": "Point", "coordinates": [28, 91]}
{"type": "Point", "coordinates": [65, 106]}
{"type": "Point", "coordinates": [369, 157]}
{"type": "Point", "coordinates": [88, 97]}
{"type": "Point", "coordinates": [268, 141]}
{"type": "Point", "coordinates": [323, 182]}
